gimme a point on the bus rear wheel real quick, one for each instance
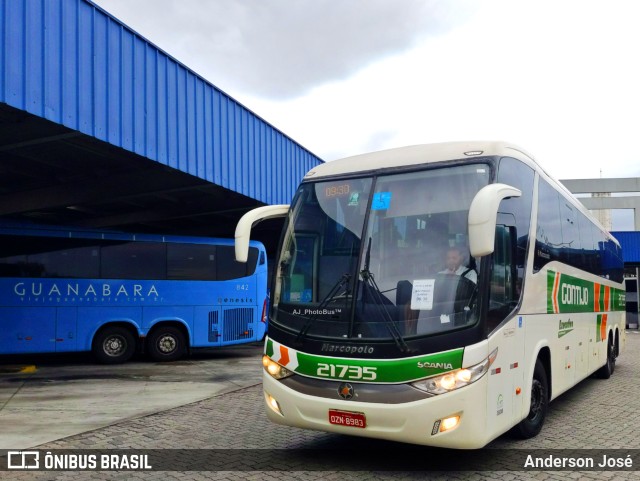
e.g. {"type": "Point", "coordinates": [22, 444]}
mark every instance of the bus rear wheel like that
{"type": "Point", "coordinates": [113, 345]}
{"type": "Point", "coordinates": [532, 424]}
{"type": "Point", "coordinates": [606, 371]}
{"type": "Point", "coordinates": [166, 344]}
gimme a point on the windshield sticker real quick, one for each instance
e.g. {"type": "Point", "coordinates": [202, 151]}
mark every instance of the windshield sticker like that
{"type": "Point", "coordinates": [381, 201]}
{"type": "Point", "coordinates": [422, 294]}
{"type": "Point", "coordinates": [298, 296]}
{"type": "Point", "coordinates": [354, 198]}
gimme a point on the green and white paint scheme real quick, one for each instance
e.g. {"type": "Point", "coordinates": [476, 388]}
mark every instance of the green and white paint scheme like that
{"type": "Point", "coordinates": [364, 370]}
{"type": "Point", "coordinates": [567, 293]}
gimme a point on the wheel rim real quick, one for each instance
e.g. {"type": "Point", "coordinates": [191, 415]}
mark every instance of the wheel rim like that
{"type": "Point", "coordinates": [537, 400]}
{"type": "Point", "coordinates": [167, 344]}
{"type": "Point", "coordinates": [611, 357]}
{"type": "Point", "coordinates": [114, 346]}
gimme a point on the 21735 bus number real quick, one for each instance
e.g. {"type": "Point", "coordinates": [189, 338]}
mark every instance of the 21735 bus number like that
{"type": "Point", "coordinates": [341, 371]}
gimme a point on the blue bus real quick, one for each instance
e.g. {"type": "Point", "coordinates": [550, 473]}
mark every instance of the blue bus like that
{"type": "Point", "coordinates": [115, 293]}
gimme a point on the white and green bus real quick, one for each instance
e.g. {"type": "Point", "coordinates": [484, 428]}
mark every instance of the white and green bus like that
{"type": "Point", "coordinates": [370, 334]}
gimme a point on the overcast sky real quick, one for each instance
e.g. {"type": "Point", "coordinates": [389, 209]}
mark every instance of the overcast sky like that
{"type": "Point", "coordinates": [560, 78]}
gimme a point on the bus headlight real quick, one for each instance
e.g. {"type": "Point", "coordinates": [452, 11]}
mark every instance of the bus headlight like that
{"type": "Point", "coordinates": [455, 379]}
{"type": "Point", "coordinates": [274, 369]}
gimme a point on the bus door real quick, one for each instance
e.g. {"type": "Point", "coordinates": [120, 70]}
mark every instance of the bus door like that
{"type": "Point", "coordinates": [506, 375]}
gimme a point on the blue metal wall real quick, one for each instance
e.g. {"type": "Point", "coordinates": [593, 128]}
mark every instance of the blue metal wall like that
{"type": "Point", "coordinates": [630, 243]}
{"type": "Point", "coordinates": [72, 63]}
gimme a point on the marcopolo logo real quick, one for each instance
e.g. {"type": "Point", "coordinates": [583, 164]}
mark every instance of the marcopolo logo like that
{"type": "Point", "coordinates": [346, 348]}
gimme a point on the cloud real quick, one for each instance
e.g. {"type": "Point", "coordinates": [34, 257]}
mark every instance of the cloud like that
{"type": "Point", "coordinates": [283, 49]}
{"type": "Point", "coordinates": [343, 77]}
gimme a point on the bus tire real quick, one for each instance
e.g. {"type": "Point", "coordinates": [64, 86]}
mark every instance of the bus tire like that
{"type": "Point", "coordinates": [532, 424]}
{"type": "Point", "coordinates": [166, 344]}
{"type": "Point", "coordinates": [606, 371]}
{"type": "Point", "coordinates": [113, 345]}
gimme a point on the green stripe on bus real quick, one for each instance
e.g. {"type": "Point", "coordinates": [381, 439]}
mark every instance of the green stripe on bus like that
{"type": "Point", "coordinates": [370, 370]}
{"type": "Point", "coordinates": [268, 348]}
{"type": "Point", "coordinates": [567, 293]}
{"type": "Point", "coordinates": [387, 371]}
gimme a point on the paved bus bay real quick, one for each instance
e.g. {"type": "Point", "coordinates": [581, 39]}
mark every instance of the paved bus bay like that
{"type": "Point", "coordinates": [228, 436]}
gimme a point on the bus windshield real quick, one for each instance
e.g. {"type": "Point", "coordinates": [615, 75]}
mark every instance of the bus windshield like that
{"type": "Point", "coordinates": [382, 257]}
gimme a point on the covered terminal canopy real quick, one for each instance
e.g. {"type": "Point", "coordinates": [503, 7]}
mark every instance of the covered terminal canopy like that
{"type": "Point", "coordinates": [100, 128]}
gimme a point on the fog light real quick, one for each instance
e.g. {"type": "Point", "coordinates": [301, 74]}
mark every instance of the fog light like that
{"type": "Point", "coordinates": [449, 423]}
{"type": "Point", "coordinates": [445, 424]}
{"type": "Point", "coordinates": [273, 404]}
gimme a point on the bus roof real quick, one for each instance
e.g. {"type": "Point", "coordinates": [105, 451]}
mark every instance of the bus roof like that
{"type": "Point", "coordinates": [415, 155]}
{"type": "Point", "coordinates": [440, 152]}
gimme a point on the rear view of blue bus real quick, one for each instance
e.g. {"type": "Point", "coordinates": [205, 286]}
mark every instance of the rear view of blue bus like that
{"type": "Point", "coordinates": [116, 294]}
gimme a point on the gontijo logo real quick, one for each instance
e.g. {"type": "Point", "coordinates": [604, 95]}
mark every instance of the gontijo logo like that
{"type": "Point", "coordinates": [566, 293]}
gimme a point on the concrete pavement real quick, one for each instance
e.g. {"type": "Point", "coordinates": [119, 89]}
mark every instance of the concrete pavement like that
{"type": "Point", "coordinates": [595, 416]}
{"type": "Point", "coordinates": [43, 403]}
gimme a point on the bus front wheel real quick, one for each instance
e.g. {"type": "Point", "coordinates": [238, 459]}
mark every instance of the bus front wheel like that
{"type": "Point", "coordinates": [113, 345]}
{"type": "Point", "coordinates": [166, 344]}
{"type": "Point", "coordinates": [532, 424]}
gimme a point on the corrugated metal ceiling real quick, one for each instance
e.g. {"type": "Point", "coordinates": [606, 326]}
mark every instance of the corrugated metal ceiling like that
{"type": "Point", "coordinates": [99, 126]}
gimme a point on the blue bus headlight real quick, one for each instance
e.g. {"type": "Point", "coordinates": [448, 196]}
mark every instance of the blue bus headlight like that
{"type": "Point", "coordinates": [274, 369]}
{"type": "Point", "coordinates": [452, 380]}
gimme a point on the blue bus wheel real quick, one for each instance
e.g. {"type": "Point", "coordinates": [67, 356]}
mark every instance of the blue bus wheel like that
{"type": "Point", "coordinates": [113, 345]}
{"type": "Point", "coordinates": [166, 344]}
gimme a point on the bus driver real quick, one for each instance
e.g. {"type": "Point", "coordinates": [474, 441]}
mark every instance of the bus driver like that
{"type": "Point", "coordinates": [454, 262]}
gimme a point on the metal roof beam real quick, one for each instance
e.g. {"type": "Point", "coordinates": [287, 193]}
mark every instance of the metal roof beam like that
{"type": "Point", "coordinates": [155, 215]}
{"type": "Point", "coordinates": [92, 190]}
{"type": "Point", "coordinates": [587, 186]}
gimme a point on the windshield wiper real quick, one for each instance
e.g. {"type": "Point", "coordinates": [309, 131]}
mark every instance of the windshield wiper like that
{"type": "Point", "coordinates": [367, 277]}
{"type": "Point", "coordinates": [333, 294]}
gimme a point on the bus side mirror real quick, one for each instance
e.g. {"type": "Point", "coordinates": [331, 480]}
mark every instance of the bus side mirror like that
{"type": "Point", "coordinates": [483, 213]}
{"type": "Point", "coordinates": [246, 222]}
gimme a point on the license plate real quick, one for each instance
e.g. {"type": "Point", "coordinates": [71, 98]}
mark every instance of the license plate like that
{"type": "Point", "coordinates": [347, 418]}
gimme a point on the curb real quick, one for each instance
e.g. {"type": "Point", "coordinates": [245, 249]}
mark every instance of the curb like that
{"type": "Point", "coordinates": [20, 369]}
